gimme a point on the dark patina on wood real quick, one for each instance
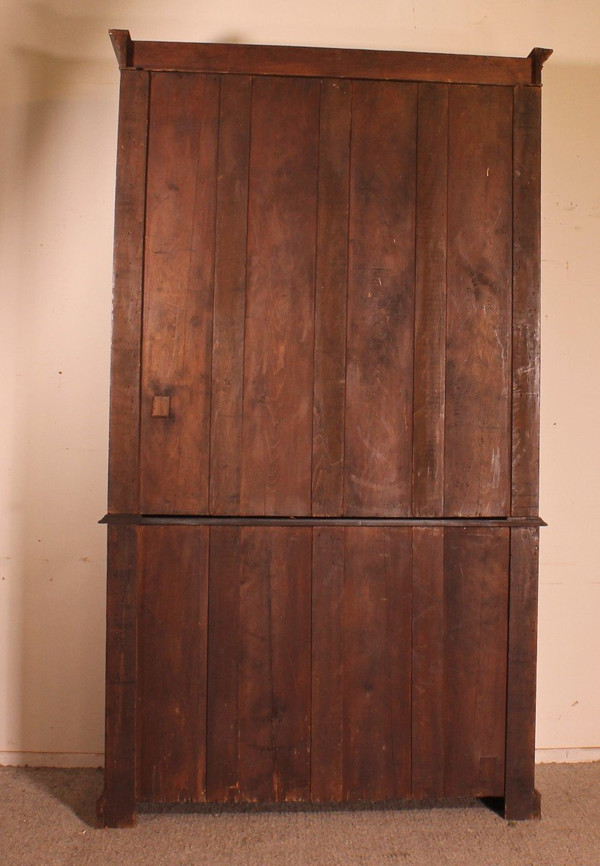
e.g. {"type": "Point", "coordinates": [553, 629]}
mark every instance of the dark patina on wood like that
{"type": "Point", "coordinates": [323, 477]}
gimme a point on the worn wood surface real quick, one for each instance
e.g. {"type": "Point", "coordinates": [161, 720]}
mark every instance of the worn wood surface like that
{"type": "Point", "coordinates": [330, 298]}
{"type": "Point", "coordinates": [333, 63]}
{"type": "Point", "coordinates": [224, 648]}
{"type": "Point", "coordinates": [327, 697]}
{"type": "Point", "coordinates": [526, 303]}
{"type": "Point", "coordinates": [333, 478]}
{"type": "Point", "coordinates": [521, 800]}
{"type": "Point", "coordinates": [172, 647]}
{"type": "Point", "coordinates": [178, 292]}
{"type": "Point", "coordinates": [278, 362]}
{"type": "Point", "coordinates": [229, 295]}
{"type": "Point", "coordinates": [378, 430]}
{"type": "Point", "coordinates": [430, 301]}
{"type": "Point", "coordinates": [376, 682]}
{"type": "Point", "coordinates": [427, 663]}
{"type": "Point", "coordinates": [478, 393]}
{"type": "Point", "coordinates": [476, 638]}
{"type": "Point", "coordinates": [116, 807]}
{"type": "Point", "coordinates": [274, 687]}
{"type": "Point", "coordinates": [123, 458]}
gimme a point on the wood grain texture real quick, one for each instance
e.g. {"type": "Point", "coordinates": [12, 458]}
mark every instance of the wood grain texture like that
{"type": "Point", "coordinates": [172, 664]}
{"type": "Point", "coordinates": [275, 660]}
{"type": "Point", "coordinates": [117, 805]}
{"type": "Point", "coordinates": [430, 301]}
{"type": "Point", "coordinates": [428, 663]}
{"type": "Point", "coordinates": [123, 460]}
{"type": "Point", "coordinates": [278, 361]}
{"type": "Point", "coordinates": [476, 565]}
{"type": "Point", "coordinates": [378, 434]}
{"type": "Point", "coordinates": [332, 63]}
{"type": "Point", "coordinates": [229, 295]}
{"type": "Point", "coordinates": [327, 710]}
{"type": "Point", "coordinates": [178, 292]}
{"type": "Point", "coordinates": [526, 303]}
{"type": "Point", "coordinates": [377, 614]}
{"type": "Point", "coordinates": [330, 298]}
{"type": "Point", "coordinates": [521, 801]}
{"type": "Point", "coordinates": [477, 434]}
{"type": "Point", "coordinates": [223, 678]}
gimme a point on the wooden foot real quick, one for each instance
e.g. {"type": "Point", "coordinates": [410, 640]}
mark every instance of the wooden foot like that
{"type": "Point", "coordinates": [525, 807]}
{"type": "Point", "coordinates": [114, 813]}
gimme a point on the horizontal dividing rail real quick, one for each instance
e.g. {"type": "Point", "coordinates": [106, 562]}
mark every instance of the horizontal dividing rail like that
{"type": "Point", "coordinates": [225, 520]}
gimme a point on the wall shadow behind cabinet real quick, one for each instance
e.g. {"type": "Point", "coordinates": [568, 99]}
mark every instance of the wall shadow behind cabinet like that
{"type": "Point", "coordinates": [323, 465]}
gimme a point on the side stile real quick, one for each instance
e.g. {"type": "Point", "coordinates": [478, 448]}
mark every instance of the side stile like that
{"type": "Point", "coordinates": [117, 805]}
{"type": "Point", "coordinates": [521, 800]}
{"type": "Point", "coordinates": [130, 205]}
{"type": "Point", "coordinates": [526, 303]}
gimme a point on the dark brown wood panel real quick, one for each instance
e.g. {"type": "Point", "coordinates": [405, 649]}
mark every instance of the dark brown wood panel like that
{"type": "Point", "coordinates": [224, 656]}
{"type": "Point", "coordinates": [172, 663]}
{"type": "Point", "coordinates": [428, 663]}
{"type": "Point", "coordinates": [332, 62]}
{"type": "Point", "coordinates": [477, 426]}
{"type": "Point", "coordinates": [123, 460]}
{"type": "Point", "coordinates": [430, 301]}
{"type": "Point", "coordinates": [327, 725]}
{"type": "Point", "coordinates": [526, 303]}
{"type": "Point", "coordinates": [275, 663]}
{"type": "Point", "coordinates": [377, 616]}
{"type": "Point", "coordinates": [378, 433]}
{"type": "Point", "coordinates": [229, 296]}
{"type": "Point", "coordinates": [521, 799]}
{"type": "Point", "coordinates": [116, 807]}
{"type": "Point", "coordinates": [476, 563]}
{"type": "Point", "coordinates": [330, 298]}
{"type": "Point", "coordinates": [178, 292]}
{"type": "Point", "coordinates": [278, 360]}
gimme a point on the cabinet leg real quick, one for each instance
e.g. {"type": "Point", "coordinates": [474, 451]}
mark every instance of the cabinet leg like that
{"type": "Point", "coordinates": [523, 806]}
{"type": "Point", "coordinates": [114, 811]}
{"type": "Point", "coordinates": [116, 807]}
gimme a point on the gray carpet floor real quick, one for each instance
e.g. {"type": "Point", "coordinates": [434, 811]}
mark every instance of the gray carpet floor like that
{"type": "Point", "coordinates": [47, 818]}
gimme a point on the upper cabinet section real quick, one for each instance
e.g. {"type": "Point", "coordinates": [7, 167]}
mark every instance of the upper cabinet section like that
{"type": "Point", "coordinates": [338, 299]}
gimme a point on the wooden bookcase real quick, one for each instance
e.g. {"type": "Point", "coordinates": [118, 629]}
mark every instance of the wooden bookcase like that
{"type": "Point", "coordinates": [323, 492]}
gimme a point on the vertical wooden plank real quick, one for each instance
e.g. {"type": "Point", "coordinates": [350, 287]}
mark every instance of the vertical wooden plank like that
{"type": "Point", "coordinates": [330, 298]}
{"type": "Point", "coordinates": [476, 633]}
{"type": "Point", "coordinates": [430, 301]}
{"type": "Point", "coordinates": [256, 761]}
{"type": "Point", "coordinates": [477, 434]}
{"type": "Point", "coordinates": [178, 293]}
{"type": "Point", "coordinates": [327, 664]}
{"type": "Point", "coordinates": [378, 435]}
{"type": "Point", "coordinates": [291, 569]}
{"type": "Point", "coordinates": [123, 460]}
{"type": "Point", "coordinates": [521, 800]}
{"type": "Point", "coordinates": [172, 663]}
{"type": "Point", "coordinates": [274, 702]}
{"type": "Point", "coordinates": [116, 807]}
{"type": "Point", "coordinates": [230, 295]}
{"type": "Point", "coordinates": [526, 302]}
{"type": "Point", "coordinates": [278, 359]}
{"type": "Point", "coordinates": [222, 726]}
{"type": "Point", "coordinates": [428, 663]}
{"type": "Point", "coordinates": [377, 613]}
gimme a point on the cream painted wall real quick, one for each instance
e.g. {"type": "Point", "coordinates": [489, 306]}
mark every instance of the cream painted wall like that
{"type": "Point", "coordinates": [58, 134]}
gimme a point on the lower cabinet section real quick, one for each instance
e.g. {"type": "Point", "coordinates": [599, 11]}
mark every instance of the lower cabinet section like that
{"type": "Point", "coordinates": [323, 664]}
